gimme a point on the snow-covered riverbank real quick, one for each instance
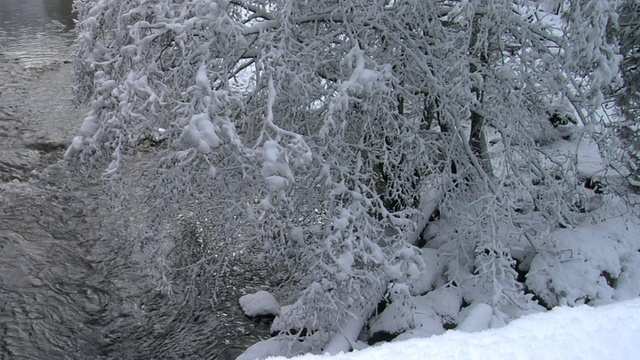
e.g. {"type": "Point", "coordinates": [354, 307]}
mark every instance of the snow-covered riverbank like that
{"type": "Point", "coordinates": [586, 333]}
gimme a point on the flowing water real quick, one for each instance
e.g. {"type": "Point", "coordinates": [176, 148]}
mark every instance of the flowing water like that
{"type": "Point", "coordinates": [73, 284]}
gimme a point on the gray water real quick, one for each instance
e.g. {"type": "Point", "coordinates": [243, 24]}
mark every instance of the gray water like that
{"type": "Point", "coordinates": [73, 278]}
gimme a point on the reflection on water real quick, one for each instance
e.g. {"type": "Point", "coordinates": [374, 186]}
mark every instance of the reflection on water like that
{"type": "Point", "coordinates": [15, 15]}
{"type": "Point", "coordinates": [36, 111]}
{"type": "Point", "coordinates": [35, 33]}
{"type": "Point", "coordinates": [60, 10]}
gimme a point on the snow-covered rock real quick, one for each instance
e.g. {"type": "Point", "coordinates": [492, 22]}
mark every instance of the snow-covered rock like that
{"type": "Point", "coordinates": [445, 302]}
{"type": "Point", "coordinates": [396, 318]}
{"type": "Point", "coordinates": [261, 303]}
{"type": "Point", "coordinates": [419, 316]}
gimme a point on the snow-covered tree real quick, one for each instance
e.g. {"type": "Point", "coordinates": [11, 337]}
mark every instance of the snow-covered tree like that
{"type": "Point", "coordinates": [322, 133]}
{"type": "Point", "coordinates": [628, 95]}
{"type": "Point", "coordinates": [628, 28]}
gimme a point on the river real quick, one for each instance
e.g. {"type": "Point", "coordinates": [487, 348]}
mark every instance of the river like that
{"type": "Point", "coordinates": [73, 281]}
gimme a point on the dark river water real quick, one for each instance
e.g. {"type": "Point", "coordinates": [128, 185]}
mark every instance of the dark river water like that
{"type": "Point", "coordinates": [73, 279]}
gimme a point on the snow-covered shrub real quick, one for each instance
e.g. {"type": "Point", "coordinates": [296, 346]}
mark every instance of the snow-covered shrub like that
{"type": "Point", "coordinates": [592, 264]}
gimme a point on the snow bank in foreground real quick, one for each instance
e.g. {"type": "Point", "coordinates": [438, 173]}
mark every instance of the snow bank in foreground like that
{"type": "Point", "coordinates": [607, 332]}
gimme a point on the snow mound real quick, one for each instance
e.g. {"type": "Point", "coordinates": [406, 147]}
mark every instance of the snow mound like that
{"type": "Point", "coordinates": [607, 332]}
{"type": "Point", "coordinates": [261, 303]}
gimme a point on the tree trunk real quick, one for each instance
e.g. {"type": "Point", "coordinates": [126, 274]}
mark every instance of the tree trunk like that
{"type": "Point", "coordinates": [477, 139]}
{"type": "Point", "coordinates": [478, 142]}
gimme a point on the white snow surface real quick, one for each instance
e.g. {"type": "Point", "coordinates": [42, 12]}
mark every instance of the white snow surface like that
{"type": "Point", "coordinates": [260, 303]}
{"type": "Point", "coordinates": [607, 332]}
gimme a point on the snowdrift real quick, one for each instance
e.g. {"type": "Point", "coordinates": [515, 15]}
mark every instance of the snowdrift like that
{"type": "Point", "coordinates": [607, 332]}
